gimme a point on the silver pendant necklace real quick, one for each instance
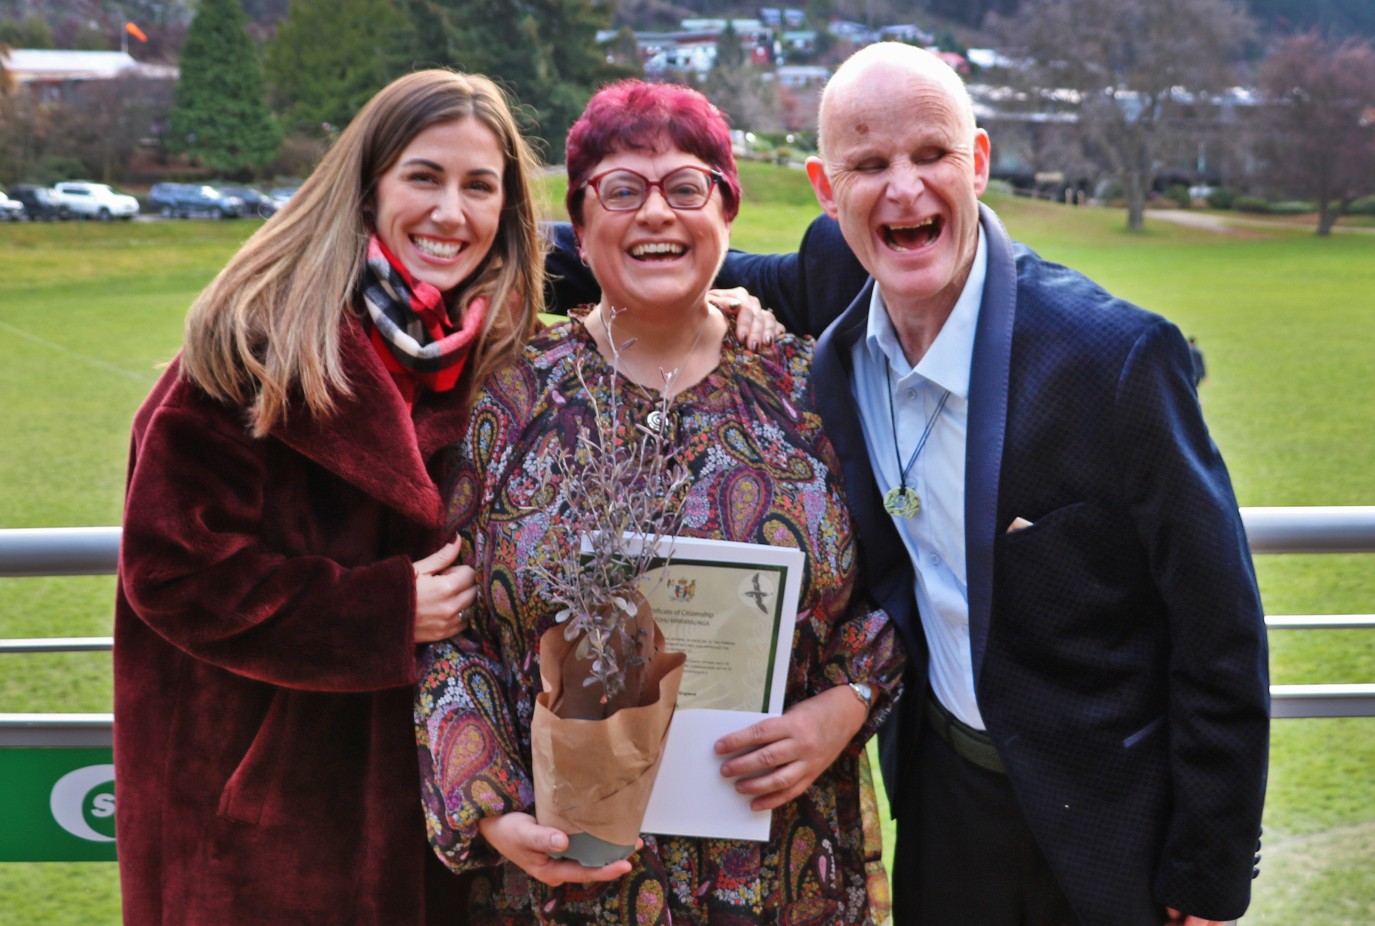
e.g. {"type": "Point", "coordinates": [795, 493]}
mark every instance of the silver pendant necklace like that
{"type": "Point", "coordinates": [902, 501]}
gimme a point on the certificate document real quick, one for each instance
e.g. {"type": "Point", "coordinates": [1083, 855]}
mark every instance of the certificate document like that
{"type": "Point", "coordinates": [731, 608]}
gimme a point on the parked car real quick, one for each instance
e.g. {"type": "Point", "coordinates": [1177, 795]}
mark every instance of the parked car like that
{"type": "Point", "coordinates": [40, 202]}
{"type": "Point", "coordinates": [183, 200]}
{"type": "Point", "coordinates": [256, 202]}
{"type": "Point", "coordinates": [282, 194]}
{"type": "Point", "coordinates": [95, 200]}
{"type": "Point", "coordinates": [11, 210]}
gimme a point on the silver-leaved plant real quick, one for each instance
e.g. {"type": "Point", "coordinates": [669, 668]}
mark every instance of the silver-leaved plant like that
{"type": "Point", "coordinates": [624, 490]}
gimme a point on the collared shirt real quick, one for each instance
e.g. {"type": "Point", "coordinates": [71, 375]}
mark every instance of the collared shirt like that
{"type": "Point", "coordinates": [896, 400]}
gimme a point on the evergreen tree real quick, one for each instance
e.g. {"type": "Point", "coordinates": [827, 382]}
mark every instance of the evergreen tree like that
{"type": "Point", "coordinates": [330, 56]}
{"type": "Point", "coordinates": [220, 117]}
{"type": "Point", "coordinates": [544, 52]}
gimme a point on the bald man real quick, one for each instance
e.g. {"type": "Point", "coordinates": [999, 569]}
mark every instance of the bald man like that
{"type": "Point", "coordinates": [1042, 512]}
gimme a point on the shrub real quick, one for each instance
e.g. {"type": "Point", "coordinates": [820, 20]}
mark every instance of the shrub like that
{"type": "Point", "coordinates": [1179, 195]}
{"type": "Point", "coordinates": [1363, 206]}
{"type": "Point", "coordinates": [1221, 198]}
{"type": "Point", "coordinates": [1292, 207]}
{"type": "Point", "coordinates": [1251, 204]}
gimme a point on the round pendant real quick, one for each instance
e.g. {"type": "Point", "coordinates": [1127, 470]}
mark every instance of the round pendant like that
{"type": "Point", "coordinates": [655, 421]}
{"type": "Point", "coordinates": [902, 502]}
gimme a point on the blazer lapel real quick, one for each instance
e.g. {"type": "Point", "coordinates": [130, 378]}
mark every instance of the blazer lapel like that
{"type": "Point", "coordinates": [988, 393]}
{"type": "Point", "coordinates": [369, 440]}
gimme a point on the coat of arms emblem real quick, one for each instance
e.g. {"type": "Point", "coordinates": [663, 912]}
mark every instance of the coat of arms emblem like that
{"type": "Point", "coordinates": [682, 589]}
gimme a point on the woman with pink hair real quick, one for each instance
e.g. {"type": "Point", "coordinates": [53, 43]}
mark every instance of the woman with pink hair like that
{"type": "Point", "coordinates": [652, 192]}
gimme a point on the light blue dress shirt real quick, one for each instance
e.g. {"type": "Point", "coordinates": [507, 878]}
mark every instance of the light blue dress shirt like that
{"type": "Point", "coordinates": [896, 400]}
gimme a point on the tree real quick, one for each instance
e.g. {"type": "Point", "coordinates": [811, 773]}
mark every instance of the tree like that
{"type": "Point", "coordinates": [1321, 121]}
{"type": "Point", "coordinates": [738, 89]}
{"type": "Point", "coordinates": [220, 117]}
{"type": "Point", "coordinates": [32, 31]}
{"type": "Point", "coordinates": [330, 56]}
{"type": "Point", "coordinates": [104, 123]}
{"type": "Point", "coordinates": [544, 51]}
{"type": "Point", "coordinates": [1132, 65]}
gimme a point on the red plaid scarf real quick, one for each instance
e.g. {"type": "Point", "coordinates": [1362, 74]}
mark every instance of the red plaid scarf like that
{"type": "Point", "coordinates": [411, 330]}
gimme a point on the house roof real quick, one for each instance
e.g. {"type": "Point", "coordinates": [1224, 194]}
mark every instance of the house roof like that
{"type": "Point", "coordinates": [25, 65]}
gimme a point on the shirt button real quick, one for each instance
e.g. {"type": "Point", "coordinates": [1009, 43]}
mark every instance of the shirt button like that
{"type": "Point", "coordinates": [935, 559]}
{"type": "Point", "coordinates": [911, 393]}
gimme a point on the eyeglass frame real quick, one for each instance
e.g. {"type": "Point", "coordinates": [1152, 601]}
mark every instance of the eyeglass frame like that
{"type": "Point", "coordinates": [714, 179]}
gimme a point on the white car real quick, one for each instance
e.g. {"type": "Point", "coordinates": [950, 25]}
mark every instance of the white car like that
{"type": "Point", "coordinates": [11, 210]}
{"type": "Point", "coordinates": [95, 201]}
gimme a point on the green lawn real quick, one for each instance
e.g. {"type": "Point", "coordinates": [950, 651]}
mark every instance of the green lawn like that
{"type": "Point", "coordinates": [88, 312]}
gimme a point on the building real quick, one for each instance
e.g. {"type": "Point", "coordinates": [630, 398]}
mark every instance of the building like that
{"type": "Point", "coordinates": [53, 76]}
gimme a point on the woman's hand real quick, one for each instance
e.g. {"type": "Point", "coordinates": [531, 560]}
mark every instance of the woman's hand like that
{"type": "Point", "coordinates": [754, 324]}
{"type": "Point", "coordinates": [443, 594]}
{"type": "Point", "coordinates": [526, 844]}
{"type": "Point", "coordinates": [787, 753]}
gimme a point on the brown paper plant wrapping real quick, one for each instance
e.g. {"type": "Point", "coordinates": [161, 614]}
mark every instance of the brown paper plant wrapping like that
{"type": "Point", "coordinates": [609, 688]}
{"type": "Point", "coordinates": [593, 776]}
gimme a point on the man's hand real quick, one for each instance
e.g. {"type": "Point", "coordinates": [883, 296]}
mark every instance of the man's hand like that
{"type": "Point", "coordinates": [526, 844]}
{"type": "Point", "coordinates": [754, 324]}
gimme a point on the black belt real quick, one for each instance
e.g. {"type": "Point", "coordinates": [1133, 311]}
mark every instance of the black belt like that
{"type": "Point", "coordinates": [974, 746]}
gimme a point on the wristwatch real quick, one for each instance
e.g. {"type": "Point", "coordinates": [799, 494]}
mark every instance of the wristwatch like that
{"type": "Point", "coordinates": [864, 693]}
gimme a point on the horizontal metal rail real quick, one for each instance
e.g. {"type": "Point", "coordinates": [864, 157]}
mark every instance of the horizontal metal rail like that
{"type": "Point", "coordinates": [1322, 701]}
{"type": "Point", "coordinates": [1310, 530]}
{"type": "Point", "coordinates": [105, 644]}
{"type": "Point", "coordinates": [58, 645]}
{"type": "Point", "coordinates": [68, 730]}
{"type": "Point", "coordinates": [80, 551]}
{"type": "Point", "coordinates": [59, 551]}
{"type": "Point", "coordinates": [71, 551]}
{"type": "Point", "coordinates": [73, 730]}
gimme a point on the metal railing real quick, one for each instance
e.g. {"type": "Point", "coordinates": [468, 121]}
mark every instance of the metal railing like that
{"type": "Point", "coordinates": [72, 551]}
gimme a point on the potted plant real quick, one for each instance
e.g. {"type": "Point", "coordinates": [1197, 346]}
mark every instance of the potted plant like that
{"type": "Point", "coordinates": [609, 686]}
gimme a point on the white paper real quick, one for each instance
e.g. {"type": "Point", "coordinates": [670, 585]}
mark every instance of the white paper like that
{"type": "Point", "coordinates": [690, 798]}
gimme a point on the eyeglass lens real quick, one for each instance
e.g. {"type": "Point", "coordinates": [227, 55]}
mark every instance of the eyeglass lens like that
{"type": "Point", "coordinates": [685, 188]}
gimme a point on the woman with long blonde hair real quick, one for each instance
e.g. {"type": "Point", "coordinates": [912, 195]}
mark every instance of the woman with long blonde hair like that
{"type": "Point", "coordinates": [282, 555]}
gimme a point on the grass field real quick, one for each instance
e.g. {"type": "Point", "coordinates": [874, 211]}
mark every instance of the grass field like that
{"type": "Point", "coordinates": [88, 312]}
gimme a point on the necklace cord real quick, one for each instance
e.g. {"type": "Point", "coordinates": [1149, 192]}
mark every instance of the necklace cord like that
{"type": "Point", "coordinates": [921, 442]}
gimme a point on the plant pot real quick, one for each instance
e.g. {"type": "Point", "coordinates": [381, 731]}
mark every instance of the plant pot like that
{"type": "Point", "coordinates": [593, 777]}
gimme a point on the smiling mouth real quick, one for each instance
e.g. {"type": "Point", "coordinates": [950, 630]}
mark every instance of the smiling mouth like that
{"type": "Point", "coordinates": [912, 237]}
{"type": "Point", "coordinates": [442, 250]}
{"type": "Point", "coordinates": [657, 250]}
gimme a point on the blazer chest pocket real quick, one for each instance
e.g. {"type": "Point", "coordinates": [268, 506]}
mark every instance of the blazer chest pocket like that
{"type": "Point", "coordinates": [1073, 564]}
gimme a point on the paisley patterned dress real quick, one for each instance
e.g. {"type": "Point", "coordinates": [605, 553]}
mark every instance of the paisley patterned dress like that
{"type": "Point", "coordinates": [762, 471]}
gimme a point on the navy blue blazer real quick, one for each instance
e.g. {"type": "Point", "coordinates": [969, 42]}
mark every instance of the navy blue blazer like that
{"type": "Point", "coordinates": [1119, 644]}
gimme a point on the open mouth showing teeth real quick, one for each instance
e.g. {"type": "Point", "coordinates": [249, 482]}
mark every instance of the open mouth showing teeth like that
{"type": "Point", "coordinates": [911, 237]}
{"type": "Point", "coordinates": [441, 250]}
{"type": "Point", "coordinates": [658, 250]}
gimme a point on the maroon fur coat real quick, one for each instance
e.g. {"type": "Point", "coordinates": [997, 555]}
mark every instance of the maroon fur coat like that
{"type": "Point", "coordinates": [264, 657]}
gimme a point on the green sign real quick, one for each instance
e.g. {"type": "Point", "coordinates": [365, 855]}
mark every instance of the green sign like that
{"type": "Point", "coordinates": [58, 805]}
